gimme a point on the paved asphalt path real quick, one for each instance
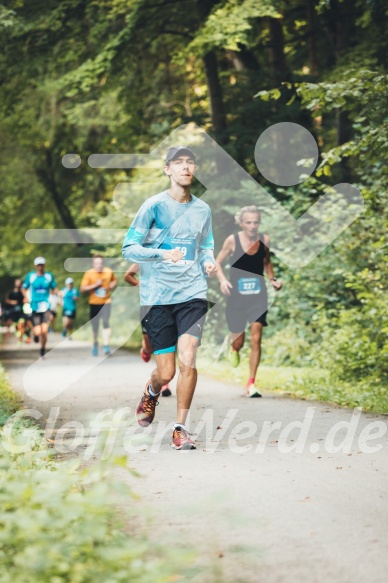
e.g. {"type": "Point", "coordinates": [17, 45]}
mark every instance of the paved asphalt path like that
{"type": "Point", "coordinates": [254, 508]}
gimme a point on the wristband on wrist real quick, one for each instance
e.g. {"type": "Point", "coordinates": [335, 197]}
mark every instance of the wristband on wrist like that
{"type": "Point", "coordinates": [273, 279]}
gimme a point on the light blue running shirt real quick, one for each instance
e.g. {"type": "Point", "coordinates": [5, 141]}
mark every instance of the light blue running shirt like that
{"type": "Point", "coordinates": [163, 223]}
{"type": "Point", "coordinates": [40, 286]}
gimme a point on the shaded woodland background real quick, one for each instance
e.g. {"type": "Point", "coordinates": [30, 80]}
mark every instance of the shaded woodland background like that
{"type": "Point", "coordinates": [114, 76]}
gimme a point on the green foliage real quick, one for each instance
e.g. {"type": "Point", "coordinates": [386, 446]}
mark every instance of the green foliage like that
{"type": "Point", "coordinates": [9, 401]}
{"type": "Point", "coordinates": [230, 25]}
{"type": "Point", "coordinates": [117, 76]}
{"type": "Point", "coordinates": [60, 524]}
{"type": "Point", "coordinates": [369, 393]}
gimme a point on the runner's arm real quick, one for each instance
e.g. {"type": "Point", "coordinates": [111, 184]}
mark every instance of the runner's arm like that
{"type": "Point", "coordinates": [86, 286]}
{"type": "Point", "coordinates": [222, 255]}
{"type": "Point", "coordinates": [133, 249]}
{"type": "Point", "coordinates": [268, 267]}
{"type": "Point", "coordinates": [24, 288]}
{"type": "Point", "coordinates": [129, 277]}
{"type": "Point", "coordinates": [206, 246]}
{"type": "Point", "coordinates": [113, 282]}
{"type": "Point", "coordinates": [11, 302]}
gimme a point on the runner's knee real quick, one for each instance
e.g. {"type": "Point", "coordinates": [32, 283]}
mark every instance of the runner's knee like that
{"type": "Point", "coordinates": [238, 342]}
{"type": "Point", "coordinates": [186, 359]}
{"type": "Point", "coordinates": [255, 339]}
{"type": "Point", "coordinates": [166, 372]}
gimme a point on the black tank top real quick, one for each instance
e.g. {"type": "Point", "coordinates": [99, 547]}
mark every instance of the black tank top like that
{"type": "Point", "coordinates": [252, 263]}
{"type": "Point", "coordinates": [244, 266]}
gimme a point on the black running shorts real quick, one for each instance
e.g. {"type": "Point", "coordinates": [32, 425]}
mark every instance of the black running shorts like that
{"type": "Point", "coordinates": [69, 314]}
{"type": "Point", "coordinates": [39, 318]}
{"type": "Point", "coordinates": [143, 312]}
{"type": "Point", "coordinates": [164, 324]}
{"type": "Point", "coordinates": [237, 317]}
{"type": "Point", "coordinates": [98, 312]}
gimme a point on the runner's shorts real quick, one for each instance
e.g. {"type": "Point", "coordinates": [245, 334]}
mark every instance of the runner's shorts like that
{"type": "Point", "coordinates": [165, 324]}
{"type": "Point", "coordinates": [69, 313]}
{"type": "Point", "coordinates": [15, 315]}
{"type": "Point", "coordinates": [39, 318]}
{"type": "Point", "coordinates": [98, 311]}
{"type": "Point", "coordinates": [239, 315]}
{"type": "Point", "coordinates": [143, 312]}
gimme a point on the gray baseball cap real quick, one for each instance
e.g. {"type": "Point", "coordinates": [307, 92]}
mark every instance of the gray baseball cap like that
{"type": "Point", "coordinates": [175, 150]}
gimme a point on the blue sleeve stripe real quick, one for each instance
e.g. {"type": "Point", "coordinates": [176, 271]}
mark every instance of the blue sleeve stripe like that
{"type": "Point", "coordinates": [208, 242]}
{"type": "Point", "coordinates": [134, 237]}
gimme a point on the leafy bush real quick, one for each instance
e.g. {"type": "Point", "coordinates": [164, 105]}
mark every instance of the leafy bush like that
{"type": "Point", "coordinates": [369, 394]}
{"type": "Point", "coordinates": [58, 524]}
{"type": "Point", "coordinates": [9, 401]}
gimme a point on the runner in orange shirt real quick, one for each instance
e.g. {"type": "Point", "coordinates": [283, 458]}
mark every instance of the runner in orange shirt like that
{"type": "Point", "coordinates": [99, 283]}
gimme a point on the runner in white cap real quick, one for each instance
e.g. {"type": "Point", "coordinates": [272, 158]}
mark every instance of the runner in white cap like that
{"type": "Point", "coordinates": [70, 297]}
{"type": "Point", "coordinates": [39, 282]}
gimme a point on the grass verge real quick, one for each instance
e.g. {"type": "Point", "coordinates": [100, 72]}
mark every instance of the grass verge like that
{"type": "Point", "coordinates": [370, 394]}
{"type": "Point", "coordinates": [9, 401]}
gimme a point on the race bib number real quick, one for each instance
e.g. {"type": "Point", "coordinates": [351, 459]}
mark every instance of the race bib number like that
{"type": "Point", "coordinates": [42, 307]}
{"type": "Point", "coordinates": [186, 246]}
{"type": "Point", "coordinates": [249, 285]}
{"type": "Point", "coordinates": [100, 292]}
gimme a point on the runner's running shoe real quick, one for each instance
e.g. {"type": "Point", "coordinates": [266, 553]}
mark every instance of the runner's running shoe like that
{"type": "Point", "coordinates": [42, 352]}
{"type": "Point", "coordinates": [106, 349]}
{"type": "Point", "coordinates": [166, 391]}
{"type": "Point", "coordinates": [181, 439]}
{"type": "Point", "coordinates": [95, 349]}
{"type": "Point", "coordinates": [252, 392]}
{"type": "Point", "coordinates": [36, 339]}
{"type": "Point", "coordinates": [64, 332]}
{"type": "Point", "coordinates": [234, 358]}
{"type": "Point", "coordinates": [145, 410]}
{"type": "Point", "coordinates": [146, 356]}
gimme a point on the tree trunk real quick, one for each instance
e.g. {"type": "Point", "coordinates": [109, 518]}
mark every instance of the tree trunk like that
{"type": "Point", "coordinates": [244, 59]}
{"type": "Point", "coordinates": [47, 178]}
{"type": "Point", "coordinates": [342, 39]}
{"type": "Point", "coordinates": [217, 110]}
{"type": "Point", "coordinates": [312, 38]}
{"type": "Point", "coordinates": [278, 62]}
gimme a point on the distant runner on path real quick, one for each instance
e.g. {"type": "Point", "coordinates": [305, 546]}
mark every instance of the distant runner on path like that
{"type": "Point", "coordinates": [14, 314]}
{"type": "Point", "coordinates": [146, 348]}
{"type": "Point", "coordinates": [99, 282]}
{"type": "Point", "coordinates": [69, 296]}
{"type": "Point", "coordinates": [39, 282]}
{"type": "Point", "coordinates": [172, 239]}
{"type": "Point", "coordinates": [246, 291]}
{"type": "Point", "coordinates": [13, 304]}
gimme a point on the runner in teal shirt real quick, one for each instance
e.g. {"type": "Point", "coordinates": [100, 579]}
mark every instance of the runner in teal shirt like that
{"type": "Point", "coordinates": [70, 297]}
{"type": "Point", "coordinates": [39, 283]}
{"type": "Point", "coordinates": [39, 286]}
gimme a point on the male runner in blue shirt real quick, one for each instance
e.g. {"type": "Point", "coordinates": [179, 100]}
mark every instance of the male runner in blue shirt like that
{"type": "Point", "coordinates": [40, 282]}
{"type": "Point", "coordinates": [171, 238]}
